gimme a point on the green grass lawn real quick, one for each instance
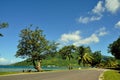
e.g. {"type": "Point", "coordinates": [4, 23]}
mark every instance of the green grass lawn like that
{"type": "Point", "coordinates": [111, 75]}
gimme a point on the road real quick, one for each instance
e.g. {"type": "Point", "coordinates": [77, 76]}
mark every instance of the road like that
{"type": "Point", "coordinates": [58, 75]}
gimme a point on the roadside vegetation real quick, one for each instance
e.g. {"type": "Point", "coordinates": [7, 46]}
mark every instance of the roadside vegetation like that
{"type": "Point", "coordinates": [38, 51]}
{"type": "Point", "coordinates": [7, 73]}
{"type": "Point", "coordinates": [111, 75]}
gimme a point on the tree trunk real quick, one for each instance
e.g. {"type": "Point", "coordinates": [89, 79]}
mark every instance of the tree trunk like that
{"type": "Point", "coordinates": [38, 67]}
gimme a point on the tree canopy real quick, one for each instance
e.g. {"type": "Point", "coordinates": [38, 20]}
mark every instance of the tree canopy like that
{"type": "Point", "coordinates": [33, 45]}
{"type": "Point", "coordinates": [67, 52]}
{"type": "Point", "coordinates": [97, 57]}
{"type": "Point", "coordinates": [114, 48]}
{"type": "Point", "coordinates": [84, 55]}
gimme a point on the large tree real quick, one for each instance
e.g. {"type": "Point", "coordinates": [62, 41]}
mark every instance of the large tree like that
{"type": "Point", "coordinates": [67, 53]}
{"type": "Point", "coordinates": [114, 48]}
{"type": "Point", "coordinates": [97, 57]}
{"type": "Point", "coordinates": [3, 25]}
{"type": "Point", "coordinates": [84, 55]}
{"type": "Point", "coordinates": [32, 45]}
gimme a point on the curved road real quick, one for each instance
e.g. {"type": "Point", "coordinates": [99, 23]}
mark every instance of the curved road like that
{"type": "Point", "coordinates": [59, 75]}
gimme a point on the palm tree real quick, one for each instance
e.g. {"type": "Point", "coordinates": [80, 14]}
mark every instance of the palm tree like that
{"type": "Point", "coordinates": [3, 25]}
{"type": "Point", "coordinates": [84, 55]}
{"type": "Point", "coordinates": [66, 52]}
{"type": "Point", "coordinates": [111, 62]}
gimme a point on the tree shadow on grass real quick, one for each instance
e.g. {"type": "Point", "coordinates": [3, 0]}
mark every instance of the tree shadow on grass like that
{"type": "Point", "coordinates": [117, 69]}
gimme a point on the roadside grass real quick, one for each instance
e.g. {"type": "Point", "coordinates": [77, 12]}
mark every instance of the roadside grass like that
{"type": "Point", "coordinates": [32, 72]}
{"type": "Point", "coordinates": [6, 73]}
{"type": "Point", "coordinates": [9, 73]}
{"type": "Point", "coordinates": [111, 75]}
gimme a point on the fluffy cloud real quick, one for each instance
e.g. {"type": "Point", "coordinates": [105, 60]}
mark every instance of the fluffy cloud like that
{"type": "Point", "coordinates": [99, 8]}
{"type": "Point", "coordinates": [92, 39]}
{"type": "Point", "coordinates": [112, 5]}
{"type": "Point", "coordinates": [102, 31]}
{"type": "Point", "coordinates": [97, 14]}
{"type": "Point", "coordinates": [117, 25]}
{"type": "Point", "coordinates": [89, 19]}
{"type": "Point", "coordinates": [75, 38]}
{"type": "Point", "coordinates": [71, 36]}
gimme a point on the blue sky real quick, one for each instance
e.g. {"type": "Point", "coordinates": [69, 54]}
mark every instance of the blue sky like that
{"type": "Point", "coordinates": [94, 23]}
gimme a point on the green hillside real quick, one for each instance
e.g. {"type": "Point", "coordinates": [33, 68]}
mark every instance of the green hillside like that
{"type": "Point", "coordinates": [56, 60]}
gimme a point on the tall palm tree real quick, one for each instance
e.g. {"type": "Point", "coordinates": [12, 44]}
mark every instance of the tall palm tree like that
{"type": "Point", "coordinates": [84, 55]}
{"type": "Point", "coordinates": [66, 52]}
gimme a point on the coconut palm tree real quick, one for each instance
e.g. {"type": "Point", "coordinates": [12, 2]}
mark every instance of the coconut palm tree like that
{"type": "Point", "coordinates": [111, 62]}
{"type": "Point", "coordinates": [84, 55]}
{"type": "Point", "coordinates": [66, 52]}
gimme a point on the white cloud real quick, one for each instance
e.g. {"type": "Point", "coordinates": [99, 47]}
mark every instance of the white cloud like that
{"type": "Point", "coordinates": [89, 19]}
{"type": "Point", "coordinates": [99, 8]}
{"type": "Point", "coordinates": [71, 36]}
{"type": "Point", "coordinates": [117, 25]}
{"type": "Point", "coordinates": [102, 31]}
{"type": "Point", "coordinates": [75, 38]}
{"type": "Point", "coordinates": [112, 5]}
{"type": "Point", "coordinates": [92, 39]}
{"type": "Point", "coordinates": [96, 14]}
{"type": "Point", "coordinates": [83, 20]}
{"type": "Point", "coordinates": [4, 61]}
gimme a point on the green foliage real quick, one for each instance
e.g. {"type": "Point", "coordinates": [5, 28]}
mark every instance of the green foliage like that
{"type": "Point", "coordinates": [51, 48]}
{"type": "Point", "coordinates": [50, 60]}
{"type": "Point", "coordinates": [108, 62]}
{"type": "Point", "coordinates": [97, 57]}
{"type": "Point", "coordinates": [84, 55]}
{"type": "Point", "coordinates": [111, 62]}
{"type": "Point", "coordinates": [67, 51]}
{"type": "Point", "coordinates": [3, 25]}
{"type": "Point", "coordinates": [57, 60]}
{"type": "Point", "coordinates": [114, 48]}
{"type": "Point", "coordinates": [32, 45]}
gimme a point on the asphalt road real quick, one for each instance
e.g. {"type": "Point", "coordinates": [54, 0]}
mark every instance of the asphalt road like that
{"type": "Point", "coordinates": [58, 75]}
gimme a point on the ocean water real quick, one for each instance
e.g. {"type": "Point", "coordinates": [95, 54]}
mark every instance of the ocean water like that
{"type": "Point", "coordinates": [6, 68]}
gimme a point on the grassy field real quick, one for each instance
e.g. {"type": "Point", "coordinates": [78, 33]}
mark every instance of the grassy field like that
{"type": "Point", "coordinates": [111, 75]}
